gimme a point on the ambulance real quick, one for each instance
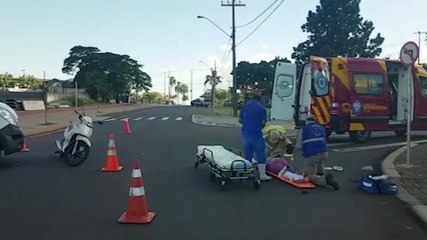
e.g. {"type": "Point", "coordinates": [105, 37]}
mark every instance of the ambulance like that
{"type": "Point", "coordinates": [357, 95]}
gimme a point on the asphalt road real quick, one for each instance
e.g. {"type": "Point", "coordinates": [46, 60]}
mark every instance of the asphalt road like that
{"type": "Point", "coordinates": [42, 198]}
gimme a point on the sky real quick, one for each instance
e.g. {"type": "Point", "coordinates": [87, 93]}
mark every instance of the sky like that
{"type": "Point", "coordinates": [167, 37]}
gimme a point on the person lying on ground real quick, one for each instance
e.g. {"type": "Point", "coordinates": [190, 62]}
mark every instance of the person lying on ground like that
{"type": "Point", "coordinates": [282, 168]}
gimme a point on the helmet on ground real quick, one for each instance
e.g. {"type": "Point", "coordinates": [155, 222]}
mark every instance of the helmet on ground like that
{"type": "Point", "coordinates": [276, 165]}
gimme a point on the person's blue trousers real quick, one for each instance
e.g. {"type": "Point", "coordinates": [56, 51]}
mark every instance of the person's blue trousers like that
{"type": "Point", "coordinates": [254, 144]}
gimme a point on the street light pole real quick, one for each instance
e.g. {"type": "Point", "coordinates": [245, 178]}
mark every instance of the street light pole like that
{"type": "Point", "coordinates": [234, 91]}
{"type": "Point", "coordinates": [233, 48]}
{"type": "Point", "coordinates": [191, 86]}
{"type": "Point", "coordinates": [76, 89]}
{"type": "Point", "coordinates": [164, 85]}
{"type": "Point", "coordinates": [419, 44]}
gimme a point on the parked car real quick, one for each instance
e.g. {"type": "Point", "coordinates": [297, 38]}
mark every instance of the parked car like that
{"type": "Point", "coordinates": [199, 103]}
{"type": "Point", "coordinates": [11, 134]}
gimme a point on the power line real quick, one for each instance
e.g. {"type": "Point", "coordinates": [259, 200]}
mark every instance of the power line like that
{"type": "Point", "coordinates": [256, 18]}
{"type": "Point", "coordinates": [225, 52]}
{"type": "Point", "coordinates": [261, 23]}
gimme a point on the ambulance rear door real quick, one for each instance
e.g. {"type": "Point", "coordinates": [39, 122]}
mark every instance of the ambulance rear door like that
{"type": "Point", "coordinates": [312, 89]}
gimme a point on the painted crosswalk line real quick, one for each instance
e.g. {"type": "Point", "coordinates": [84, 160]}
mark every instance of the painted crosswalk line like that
{"type": "Point", "coordinates": [138, 118]}
{"type": "Point", "coordinates": [111, 119]}
{"type": "Point", "coordinates": [165, 118]}
{"type": "Point", "coordinates": [151, 118]}
{"type": "Point", "coordinates": [178, 118]}
{"type": "Point", "coordinates": [363, 148]}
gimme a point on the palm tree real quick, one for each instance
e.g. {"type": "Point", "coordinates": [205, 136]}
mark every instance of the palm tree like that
{"type": "Point", "coordinates": [213, 82]}
{"type": "Point", "coordinates": [172, 82]}
{"type": "Point", "coordinates": [181, 88]}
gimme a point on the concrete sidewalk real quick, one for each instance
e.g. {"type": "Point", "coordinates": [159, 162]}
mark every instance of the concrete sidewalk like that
{"type": "Point", "coordinates": [412, 179]}
{"type": "Point", "coordinates": [34, 122]}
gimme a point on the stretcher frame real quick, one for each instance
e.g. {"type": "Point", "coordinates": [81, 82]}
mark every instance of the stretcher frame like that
{"type": "Point", "coordinates": [226, 175]}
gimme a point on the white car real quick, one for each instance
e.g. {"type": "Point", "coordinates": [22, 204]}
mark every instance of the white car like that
{"type": "Point", "coordinates": [11, 134]}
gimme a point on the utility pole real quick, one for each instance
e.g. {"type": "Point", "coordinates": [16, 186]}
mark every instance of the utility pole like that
{"type": "Point", "coordinates": [233, 48]}
{"type": "Point", "coordinates": [164, 85]}
{"type": "Point", "coordinates": [169, 95]}
{"type": "Point", "coordinates": [45, 97]}
{"type": "Point", "coordinates": [191, 86]}
{"type": "Point", "coordinates": [419, 44]}
{"type": "Point", "coordinates": [76, 96]}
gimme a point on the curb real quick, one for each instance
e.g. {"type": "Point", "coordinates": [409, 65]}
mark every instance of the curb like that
{"type": "Point", "coordinates": [61, 128]}
{"type": "Point", "coordinates": [46, 133]}
{"type": "Point", "coordinates": [207, 123]}
{"type": "Point", "coordinates": [213, 123]}
{"type": "Point", "coordinates": [58, 129]}
{"type": "Point", "coordinates": [388, 168]}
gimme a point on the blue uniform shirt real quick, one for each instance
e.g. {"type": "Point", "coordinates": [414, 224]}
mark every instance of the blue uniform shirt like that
{"type": "Point", "coordinates": [253, 115]}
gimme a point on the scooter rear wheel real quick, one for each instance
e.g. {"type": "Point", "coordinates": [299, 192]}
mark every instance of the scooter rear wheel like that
{"type": "Point", "coordinates": [81, 154]}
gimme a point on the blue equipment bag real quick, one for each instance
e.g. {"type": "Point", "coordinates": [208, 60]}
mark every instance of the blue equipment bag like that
{"type": "Point", "coordinates": [377, 185]}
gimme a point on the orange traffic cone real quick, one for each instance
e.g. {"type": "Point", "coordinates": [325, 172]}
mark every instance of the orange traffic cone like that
{"type": "Point", "coordinates": [138, 208]}
{"type": "Point", "coordinates": [25, 148]}
{"type": "Point", "coordinates": [112, 161]}
{"type": "Point", "coordinates": [127, 127]}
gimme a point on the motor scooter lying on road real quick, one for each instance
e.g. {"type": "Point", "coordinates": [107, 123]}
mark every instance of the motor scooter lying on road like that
{"type": "Point", "coordinates": [75, 146]}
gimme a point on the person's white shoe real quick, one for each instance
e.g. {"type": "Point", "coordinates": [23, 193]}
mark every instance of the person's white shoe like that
{"type": "Point", "coordinates": [262, 175]}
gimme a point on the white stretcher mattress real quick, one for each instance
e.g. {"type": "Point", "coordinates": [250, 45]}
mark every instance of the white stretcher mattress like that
{"type": "Point", "coordinates": [222, 157]}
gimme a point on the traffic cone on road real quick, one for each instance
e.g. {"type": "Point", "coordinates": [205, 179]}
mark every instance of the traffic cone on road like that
{"type": "Point", "coordinates": [127, 127]}
{"type": "Point", "coordinates": [25, 148]}
{"type": "Point", "coordinates": [112, 161]}
{"type": "Point", "coordinates": [138, 207]}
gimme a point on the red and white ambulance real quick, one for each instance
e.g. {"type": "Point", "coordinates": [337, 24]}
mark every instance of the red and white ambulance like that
{"type": "Point", "coordinates": [359, 95]}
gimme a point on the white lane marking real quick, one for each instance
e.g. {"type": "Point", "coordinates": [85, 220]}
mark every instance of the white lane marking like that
{"type": "Point", "coordinates": [151, 118]}
{"type": "Point", "coordinates": [111, 119]}
{"type": "Point", "coordinates": [354, 149]}
{"type": "Point", "coordinates": [138, 118]}
{"type": "Point", "coordinates": [123, 119]}
{"type": "Point", "coordinates": [165, 118]}
{"type": "Point", "coordinates": [337, 144]}
{"type": "Point", "coordinates": [178, 118]}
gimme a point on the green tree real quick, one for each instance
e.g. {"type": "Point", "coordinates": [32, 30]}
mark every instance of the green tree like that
{"type": "Point", "coordinates": [6, 80]}
{"type": "Point", "coordinates": [181, 89]}
{"type": "Point", "coordinates": [29, 81]}
{"type": "Point", "coordinates": [338, 29]}
{"type": "Point", "coordinates": [222, 94]}
{"type": "Point", "coordinates": [172, 82]}
{"type": "Point", "coordinates": [107, 74]}
{"type": "Point", "coordinates": [152, 97]}
{"type": "Point", "coordinates": [260, 74]}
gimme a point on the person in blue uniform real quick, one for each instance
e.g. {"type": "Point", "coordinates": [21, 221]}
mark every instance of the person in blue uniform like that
{"type": "Point", "coordinates": [253, 117]}
{"type": "Point", "coordinates": [312, 140]}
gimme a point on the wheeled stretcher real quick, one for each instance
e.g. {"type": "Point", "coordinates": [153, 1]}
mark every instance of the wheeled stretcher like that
{"type": "Point", "coordinates": [227, 165]}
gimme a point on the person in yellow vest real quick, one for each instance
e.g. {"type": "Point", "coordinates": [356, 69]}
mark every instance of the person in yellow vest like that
{"type": "Point", "coordinates": [277, 143]}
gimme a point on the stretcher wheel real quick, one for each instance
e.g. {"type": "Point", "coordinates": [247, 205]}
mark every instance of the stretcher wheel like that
{"type": "Point", "coordinates": [222, 184]}
{"type": "Point", "coordinates": [257, 184]}
{"type": "Point", "coordinates": [196, 164]}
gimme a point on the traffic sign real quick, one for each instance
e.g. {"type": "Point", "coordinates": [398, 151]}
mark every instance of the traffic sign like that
{"type": "Point", "coordinates": [409, 53]}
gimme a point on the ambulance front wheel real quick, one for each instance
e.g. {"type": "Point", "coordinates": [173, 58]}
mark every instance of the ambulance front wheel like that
{"type": "Point", "coordinates": [360, 136]}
